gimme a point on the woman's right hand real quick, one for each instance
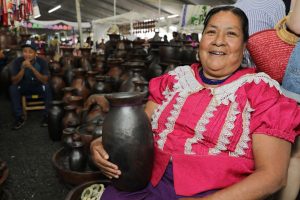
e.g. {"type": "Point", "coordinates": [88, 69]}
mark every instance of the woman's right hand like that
{"type": "Point", "coordinates": [100, 158]}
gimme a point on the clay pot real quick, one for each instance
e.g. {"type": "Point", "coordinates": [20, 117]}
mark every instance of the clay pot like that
{"type": "Point", "coordinates": [103, 85]}
{"type": "Point", "coordinates": [76, 101]}
{"type": "Point", "coordinates": [70, 119]}
{"type": "Point", "coordinates": [134, 75]}
{"type": "Point", "coordinates": [68, 91]}
{"type": "Point", "coordinates": [60, 160]}
{"type": "Point", "coordinates": [169, 53]}
{"type": "Point", "coordinates": [84, 61]}
{"type": "Point", "coordinates": [67, 137]}
{"type": "Point", "coordinates": [80, 84]}
{"type": "Point", "coordinates": [188, 55]}
{"type": "Point", "coordinates": [127, 138]}
{"type": "Point", "coordinates": [55, 116]}
{"type": "Point", "coordinates": [57, 84]}
{"type": "Point", "coordinates": [77, 157]}
{"type": "Point", "coordinates": [91, 79]}
{"type": "Point", "coordinates": [54, 67]}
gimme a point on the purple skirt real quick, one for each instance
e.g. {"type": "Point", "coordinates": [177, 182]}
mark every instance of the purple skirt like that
{"type": "Point", "coordinates": [163, 191]}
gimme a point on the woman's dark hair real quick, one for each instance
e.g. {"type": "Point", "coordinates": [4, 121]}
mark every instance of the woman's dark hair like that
{"type": "Point", "coordinates": [236, 11]}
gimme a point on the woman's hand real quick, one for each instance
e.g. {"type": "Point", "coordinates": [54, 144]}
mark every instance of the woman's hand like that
{"type": "Point", "coordinates": [100, 158]}
{"type": "Point", "coordinates": [97, 99]}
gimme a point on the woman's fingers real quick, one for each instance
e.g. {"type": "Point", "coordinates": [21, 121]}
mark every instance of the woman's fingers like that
{"type": "Point", "coordinates": [101, 157]}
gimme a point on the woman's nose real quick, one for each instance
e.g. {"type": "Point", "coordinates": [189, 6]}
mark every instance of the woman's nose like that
{"type": "Point", "coordinates": [219, 39]}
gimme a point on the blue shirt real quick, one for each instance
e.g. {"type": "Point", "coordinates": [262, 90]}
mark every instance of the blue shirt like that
{"type": "Point", "coordinates": [29, 78]}
{"type": "Point", "coordinates": [262, 14]}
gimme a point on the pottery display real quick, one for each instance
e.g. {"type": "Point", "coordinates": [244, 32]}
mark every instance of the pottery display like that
{"type": "Point", "coordinates": [127, 138]}
{"type": "Point", "coordinates": [68, 91]}
{"type": "Point", "coordinates": [57, 83]}
{"type": "Point", "coordinates": [80, 84]}
{"type": "Point", "coordinates": [60, 161]}
{"type": "Point", "coordinates": [55, 116]}
{"type": "Point", "coordinates": [70, 119]}
{"type": "Point", "coordinates": [77, 157]}
{"type": "Point", "coordinates": [67, 137]}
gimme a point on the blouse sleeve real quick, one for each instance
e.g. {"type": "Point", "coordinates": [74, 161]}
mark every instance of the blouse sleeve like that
{"type": "Point", "coordinates": [159, 86]}
{"type": "Point", "coordinates": [274, 114]}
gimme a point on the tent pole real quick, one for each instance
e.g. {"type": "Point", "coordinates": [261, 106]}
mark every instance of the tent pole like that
{"type": "Point", "coordinates": [77, 3]}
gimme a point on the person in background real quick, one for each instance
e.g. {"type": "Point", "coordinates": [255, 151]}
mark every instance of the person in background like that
{"type": "Point", "coordinates": [262, 15]}
{"type": "Point", "coordinates": [30, 75]}
{"type": "Point", "coordinates": [291, 87]}
{"type": "Point", "coordinates": [89, 42]}
{"type": "Point", "coordinates": [221, 132]}
{"type": "Point", "coordinates": [165, 38]}
{"type": "Point", "coordinates": [3, 59]}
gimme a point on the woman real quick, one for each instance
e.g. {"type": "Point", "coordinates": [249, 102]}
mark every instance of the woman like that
{"type": "Point", "coordinates": [218, 129]}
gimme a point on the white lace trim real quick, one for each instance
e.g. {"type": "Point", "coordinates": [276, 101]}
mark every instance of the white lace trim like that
{"type": "Point", "coordinates": [200, 127]}
{"type": "Point", "coordinates": [226, 131]}
{"type": "Point", "coordinates": [225, 94]}
{"type": "Point", "coordinates": [186, 85]}
{"type": "Point", "coordinates": [187, 81]}
{"type": "Point", "coordinates": [244, 139]}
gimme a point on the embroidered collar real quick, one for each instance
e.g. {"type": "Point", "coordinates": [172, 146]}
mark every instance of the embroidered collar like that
{"type": "Point", "coordinates": [214, 81]}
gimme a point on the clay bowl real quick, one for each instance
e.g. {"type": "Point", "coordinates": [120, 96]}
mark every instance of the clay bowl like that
{"type": "Point", "coordinates": [75, 193]}
{"type": "Point", "coordinates": [61, 165]}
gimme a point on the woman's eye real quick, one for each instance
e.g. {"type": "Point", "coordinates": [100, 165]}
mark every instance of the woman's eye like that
{"type": "Point", "coordinates": [210, 32]}
{"type": "Point", "coordinates": [232, 33]}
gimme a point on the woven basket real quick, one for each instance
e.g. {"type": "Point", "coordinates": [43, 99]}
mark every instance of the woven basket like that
{"type": "Point", "coordinates": [269, 53]}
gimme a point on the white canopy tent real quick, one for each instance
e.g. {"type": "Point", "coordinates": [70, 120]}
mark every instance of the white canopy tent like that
{"type": "Point", "coordinates": [101, 26]}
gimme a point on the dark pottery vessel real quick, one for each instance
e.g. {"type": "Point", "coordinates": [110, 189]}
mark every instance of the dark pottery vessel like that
{"type": "Point", "coordinates": [67, 137]}
{"type": "Point", "coordinates": [127, 138]}
{"type": "Point", "coordinates": [57, 83]}
{"type": "Point", "coordinates": [103, 84]}
{"type": "Point", "coordinates": [77, 157]}
{"type": "Point", "coordinates": [80, 84]}
{"type": "Point", "coordinates": [55, 116]}
{"type": "Point", "coordinates": [68, 91]}
{"type": "Point", "coordinates": [76, 101]}
{"type": "Point", "coordinates": [60, 161]}
{"type": "Point", "coordinates": [70, 119]}
{"type": "Point", "coordinates": [91, 79]}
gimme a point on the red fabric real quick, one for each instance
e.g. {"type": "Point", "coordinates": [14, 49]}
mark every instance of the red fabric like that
{"type": "Point", "coordinates": [269, 53]}
{"type": "Point", "coordinates": [273, 115]}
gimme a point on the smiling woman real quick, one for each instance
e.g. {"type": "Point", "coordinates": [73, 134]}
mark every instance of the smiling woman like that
{"type": "Point", "coordinates": [218, 128]}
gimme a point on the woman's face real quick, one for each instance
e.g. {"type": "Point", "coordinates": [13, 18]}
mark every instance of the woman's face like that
{"type": "Point", "coordinates": [29, 53]}
{"type": "Point", "coordinates": [221, 46]}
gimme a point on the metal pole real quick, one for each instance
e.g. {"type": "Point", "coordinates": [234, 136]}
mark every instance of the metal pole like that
{"type": "Point", "coordinates": [115, 10]}
{"type": "Point", "coordinates": [77, 3]}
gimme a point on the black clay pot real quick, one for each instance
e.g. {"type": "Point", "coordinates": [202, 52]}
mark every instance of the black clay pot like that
{"type": "Point", "coordinates": [77, 157]}
{"type": "Point", "coordinates": [67, 137]}
{"type": "Point", "coordinates": [55, 116]}
{"type": "Point", "coordinates": [127, 137]}
{"type": "Point", "coordinates": [70, 119]}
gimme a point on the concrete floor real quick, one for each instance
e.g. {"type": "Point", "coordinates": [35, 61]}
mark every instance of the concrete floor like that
{"type": "Point", "coordinates": [28, 153]}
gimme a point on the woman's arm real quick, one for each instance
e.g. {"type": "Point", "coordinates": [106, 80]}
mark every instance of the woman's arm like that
{"type": "Point", "coordinates": [293, 21]}
{"type": "Point", "coordinates": [271, 157]}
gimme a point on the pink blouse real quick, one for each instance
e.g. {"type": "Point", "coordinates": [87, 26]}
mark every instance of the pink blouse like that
{"type": "Point", "coordinates": [206, 132]}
